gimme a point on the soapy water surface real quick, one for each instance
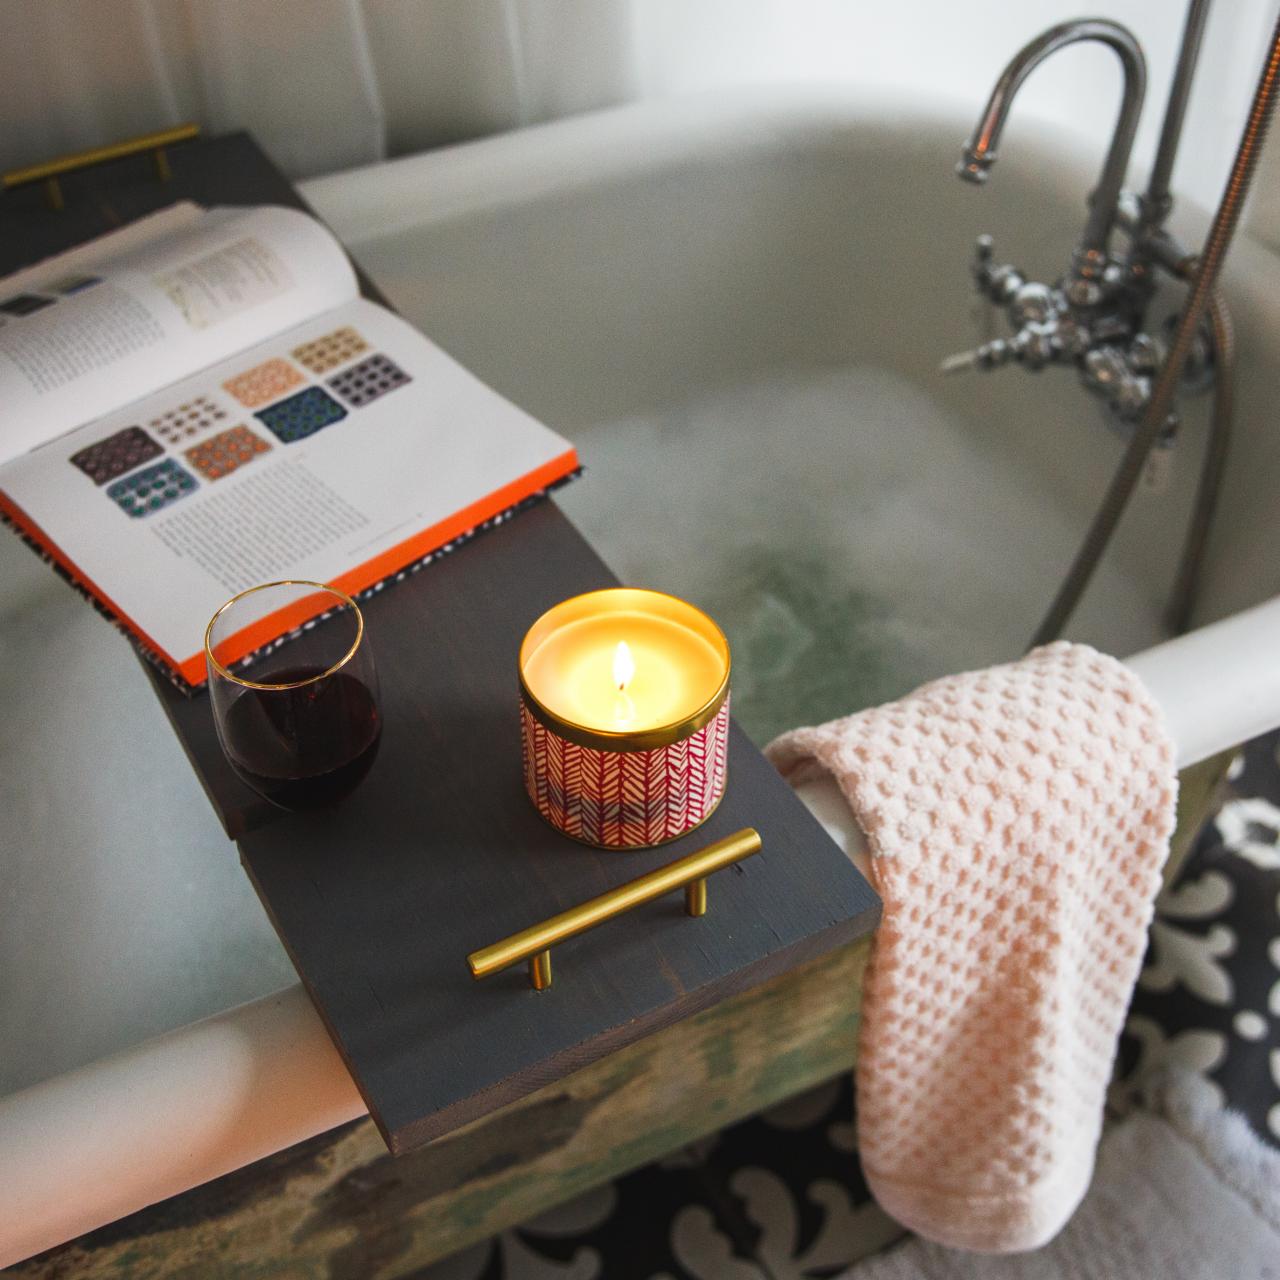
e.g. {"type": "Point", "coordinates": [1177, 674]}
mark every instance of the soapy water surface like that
{"type": "Point", "coordinates": [852, 536]}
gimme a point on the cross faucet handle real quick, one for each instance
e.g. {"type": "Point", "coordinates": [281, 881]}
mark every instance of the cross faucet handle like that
{"type": "Point", "coordinates": [999, 282]}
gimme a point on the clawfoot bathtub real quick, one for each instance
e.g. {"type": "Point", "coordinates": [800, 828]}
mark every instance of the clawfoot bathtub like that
{"type": "Point", "coordinates": [735, 307]}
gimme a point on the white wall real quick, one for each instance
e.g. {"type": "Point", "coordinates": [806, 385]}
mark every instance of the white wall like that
{"type": "Point", "coordinates": [323, 84]}
{"type": "Point", "coordinates": [326, 84]}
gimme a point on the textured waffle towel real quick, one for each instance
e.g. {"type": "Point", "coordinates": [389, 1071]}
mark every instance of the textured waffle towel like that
{"type": "Point", "coordinates": [1017, 820]}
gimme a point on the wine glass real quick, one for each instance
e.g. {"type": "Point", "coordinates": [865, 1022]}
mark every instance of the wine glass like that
{"type": "Point", "coordinates": [301, 723]}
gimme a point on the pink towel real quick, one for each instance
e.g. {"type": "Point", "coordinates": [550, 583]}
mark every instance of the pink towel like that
{"type": "Point", "coordinates": [1017, 819]}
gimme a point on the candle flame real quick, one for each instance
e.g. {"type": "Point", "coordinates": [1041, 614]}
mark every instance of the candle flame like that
{"type": "Point", "coordinates": [624, 666]}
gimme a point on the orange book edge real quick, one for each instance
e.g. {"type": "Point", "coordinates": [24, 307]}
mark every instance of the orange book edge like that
{"type": "Point", "coordinates": [353, 581]}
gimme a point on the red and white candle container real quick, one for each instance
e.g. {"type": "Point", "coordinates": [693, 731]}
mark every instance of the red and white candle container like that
{"type": "Point", "coordinates": [624, 708]}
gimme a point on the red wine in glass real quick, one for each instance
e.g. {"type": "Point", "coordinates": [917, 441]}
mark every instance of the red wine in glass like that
{"type": "Point", "coordinates": [305, 747]}
{"type": "Point", "coordinates": [300, 724]}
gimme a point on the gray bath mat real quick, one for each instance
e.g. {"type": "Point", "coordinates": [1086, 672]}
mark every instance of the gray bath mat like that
{"type": "Point", "coordinates": [1184, 1191]}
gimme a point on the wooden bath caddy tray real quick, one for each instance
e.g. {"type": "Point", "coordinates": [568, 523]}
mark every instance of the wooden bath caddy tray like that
{"type": "Point", "coordinates": [439, 852]}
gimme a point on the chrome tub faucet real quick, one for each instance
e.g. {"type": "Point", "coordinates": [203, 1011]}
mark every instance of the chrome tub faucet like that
{"type": "Point", "coordinates": [1093, 316]}
{"type": "Point", "coordinates": [1086, 285]}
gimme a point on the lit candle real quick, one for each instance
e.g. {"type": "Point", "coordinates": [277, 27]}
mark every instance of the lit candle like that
{"type": "Point", "coordinates": [625, 709]}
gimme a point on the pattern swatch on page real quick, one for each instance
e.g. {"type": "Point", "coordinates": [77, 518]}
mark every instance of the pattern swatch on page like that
{"type": "Point", "coordinates": [151, 489]}
{"type": "Point", "coordinates": [264, 382]}
{"type": "Point", "coordinates": [25, 304]}
{"type": "Point", "coordinates": [70, 285]}
{"type": "Point", "coordinates": [191, 418]}
{"type": "Point", "coordinates": [301, 415]}
{"type": "Point", "coordinates": [366, 381]}
{"type": "Point", "coordinates": [330, 350]}
{"type": "Point", "coordinates": [220, 455]}
{"type": "Point", "coordinates": [116, 454]}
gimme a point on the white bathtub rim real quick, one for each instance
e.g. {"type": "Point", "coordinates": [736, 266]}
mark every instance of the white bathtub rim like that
{"type": "Point", "coordinates": [386, 197]}
{"type": "Point", "coordinates": [434, 187]}
{"type": "Point", "coordinates": [93, 1145]}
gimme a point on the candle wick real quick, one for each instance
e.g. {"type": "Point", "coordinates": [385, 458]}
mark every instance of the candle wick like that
{"type": "Point", "coordinates": [624, 666]}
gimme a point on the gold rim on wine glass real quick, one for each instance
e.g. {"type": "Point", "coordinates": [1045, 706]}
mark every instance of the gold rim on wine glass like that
{"type": "Point", "coordinates": [291, 684]}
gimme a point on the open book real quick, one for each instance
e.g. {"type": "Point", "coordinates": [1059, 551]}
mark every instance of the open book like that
{"type": "Point", "coordinates": [202, 401]}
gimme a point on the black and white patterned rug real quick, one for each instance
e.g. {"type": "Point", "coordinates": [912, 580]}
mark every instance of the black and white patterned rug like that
{"type": "Point", "coordinates": [780, 1196]}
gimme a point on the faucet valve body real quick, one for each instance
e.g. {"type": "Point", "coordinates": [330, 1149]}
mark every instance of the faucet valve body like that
{"type": "Point", "coordinates": [1097, 331]}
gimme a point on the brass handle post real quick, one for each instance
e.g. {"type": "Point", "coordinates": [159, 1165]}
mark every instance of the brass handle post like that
{"type": "Point", "coordinates": [688, 873]}
{"type": "Point", "coordinates": [49, 171]}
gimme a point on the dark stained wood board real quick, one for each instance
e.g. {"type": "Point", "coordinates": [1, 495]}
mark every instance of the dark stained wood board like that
{"type": "Point", "coordinates": [440, 852]}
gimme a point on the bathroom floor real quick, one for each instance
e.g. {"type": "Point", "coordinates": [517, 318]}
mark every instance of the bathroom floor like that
{"type": "Point", "coordinates": [780, 1197]}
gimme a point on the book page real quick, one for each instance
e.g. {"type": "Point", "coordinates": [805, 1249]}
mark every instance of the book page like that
{"type": "Point", "coordinates": [339, 452]}
{"type": "Point", "coordinates": [83, 334]}
{"type": "Point", "coordinates": [50, 272]}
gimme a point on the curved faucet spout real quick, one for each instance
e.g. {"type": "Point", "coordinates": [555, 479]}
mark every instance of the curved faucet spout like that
{"type": "Point", "coordinates": [980, 150]}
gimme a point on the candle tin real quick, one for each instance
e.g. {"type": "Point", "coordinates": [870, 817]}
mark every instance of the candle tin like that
{"type": "Point", "coordinates": [626, 788]}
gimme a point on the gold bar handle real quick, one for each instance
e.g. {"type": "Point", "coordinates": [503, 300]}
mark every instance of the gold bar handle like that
{"type": "Point", "coordinates": [688, 873]}
{"type": "Point", "coordinates": [49, 171]}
